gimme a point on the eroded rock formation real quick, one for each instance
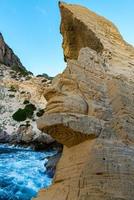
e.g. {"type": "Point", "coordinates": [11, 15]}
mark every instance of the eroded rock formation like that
{"type": "Point", "coordinates": [91, 111]}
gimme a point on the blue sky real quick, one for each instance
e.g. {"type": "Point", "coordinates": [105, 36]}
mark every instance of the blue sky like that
{"type": "Point", "coordinates": [31, 29]}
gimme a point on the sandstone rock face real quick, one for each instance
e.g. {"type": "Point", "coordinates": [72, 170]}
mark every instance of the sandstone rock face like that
{"type": "Point", "coordinates": [91, 111]}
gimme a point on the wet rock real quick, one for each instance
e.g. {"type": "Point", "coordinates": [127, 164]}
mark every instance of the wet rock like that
{"type": "Point", "coordinates": [51, 164]}
{"type": "Point", "coordinates": [4, 137]}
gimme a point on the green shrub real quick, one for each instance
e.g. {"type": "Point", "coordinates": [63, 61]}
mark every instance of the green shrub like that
{"type": "Point", "coordinates": [22, 92]}
{"type": "Point", "coordinates": [40, 113]}
{"type": "Point", "coordinates": [44, 80]}
{"type": "Point", "coordinates": [21, 70]}
{"type": "Point", "coordinates": [20, 115]}
{"type": "Point", "coordinates": [12, 89]}
{"type": "Point", "coordinates": [26, 102]}
{"type": "Point", "coordinates": [45, 76]}
{"type": "Point", "coordinates": [23, 114]}
{"type": "Point", "coordinates": [11, 95]}
{"type": "Point", "coordinates": [30, 108]}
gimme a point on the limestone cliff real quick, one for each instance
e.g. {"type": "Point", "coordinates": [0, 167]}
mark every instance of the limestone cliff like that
{"type": "Point", "coordinates": [17, 93]}
{"type": "Point", "coordinates": [21, 101]}
{"type": "Point", "coordinates": [8, 57]}
{"type": "Point", "coordinates": [91, 111]}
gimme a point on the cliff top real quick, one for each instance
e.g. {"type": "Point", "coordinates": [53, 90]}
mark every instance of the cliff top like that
{"type": "Point", "coordinates": [87, 29]}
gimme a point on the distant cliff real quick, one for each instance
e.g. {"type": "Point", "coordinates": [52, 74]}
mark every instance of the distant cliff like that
{"type": "Point", "coordinates": [91, 111]}
{"type": "Point", "coordinates": [8, 57]}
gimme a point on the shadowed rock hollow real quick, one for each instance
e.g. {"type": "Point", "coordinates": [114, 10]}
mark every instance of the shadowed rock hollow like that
{"type": "Point", "coordinates": [76, 35]}
{"type": "Point", "coordinates": [91, 111]}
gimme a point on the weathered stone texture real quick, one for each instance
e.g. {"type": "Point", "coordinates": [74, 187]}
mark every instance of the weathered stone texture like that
{"type": "Point", "coordinates": [91, 111]}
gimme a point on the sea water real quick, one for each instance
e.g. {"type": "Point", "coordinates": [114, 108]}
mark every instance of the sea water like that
{"type": "Point", "coordinates": [22, 172]}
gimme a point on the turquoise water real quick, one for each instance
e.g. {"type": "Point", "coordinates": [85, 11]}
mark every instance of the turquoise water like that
{"type": "Point", "coordinates": [22, 172]}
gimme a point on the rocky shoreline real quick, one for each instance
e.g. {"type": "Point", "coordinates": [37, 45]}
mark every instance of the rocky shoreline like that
{"type": "Point", "coordinates": [42, 142]}
{"type": "Point", "coordinates": [50, 165]}
{"type": "Point", "coordinates": [22, 102]}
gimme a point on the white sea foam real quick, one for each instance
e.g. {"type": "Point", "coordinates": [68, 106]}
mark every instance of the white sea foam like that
{"type": "Point", "coordinates": [22, 172]}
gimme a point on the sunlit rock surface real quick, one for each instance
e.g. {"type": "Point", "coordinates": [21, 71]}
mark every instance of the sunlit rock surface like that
{"type": "Point", "coordinates": [91, 111]}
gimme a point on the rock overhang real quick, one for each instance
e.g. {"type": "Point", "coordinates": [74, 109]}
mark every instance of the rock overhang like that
{"type": "Point", "coordinates": [70, 129]}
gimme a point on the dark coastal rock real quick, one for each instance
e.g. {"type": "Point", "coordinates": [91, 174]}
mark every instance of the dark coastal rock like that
{"type": "Point", "coordinates": [52, 163]}
{"type": "Point", "coordinates": [26, 137]}
{"type": "Point", "coordinates": [4, 137]}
